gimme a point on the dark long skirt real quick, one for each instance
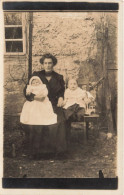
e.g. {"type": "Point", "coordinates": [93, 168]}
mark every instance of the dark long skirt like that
{"type": "Point", "coordinates": [47, 138]}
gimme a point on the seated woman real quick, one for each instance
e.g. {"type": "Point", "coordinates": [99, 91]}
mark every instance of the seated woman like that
{"type": "Point", "coordinates": [48, 138]}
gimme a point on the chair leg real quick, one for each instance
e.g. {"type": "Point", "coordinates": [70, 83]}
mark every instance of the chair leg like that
{"type": "Point", "coordinates": [84, 135]}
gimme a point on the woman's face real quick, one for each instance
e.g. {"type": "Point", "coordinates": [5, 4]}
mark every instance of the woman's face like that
{"type": "Point", "coordinates": [48, 65]}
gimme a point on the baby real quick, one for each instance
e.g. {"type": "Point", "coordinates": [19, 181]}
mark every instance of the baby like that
{"type": "Point", "coordinates": [74, 100]}
{"type": "Point", "coordinates": [74, 94]}
{"type": "Point", "coordinates": [37, 112]}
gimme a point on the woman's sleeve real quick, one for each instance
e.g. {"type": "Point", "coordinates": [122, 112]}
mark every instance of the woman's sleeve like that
{"type": "Point", "coordinates": [62, 90]}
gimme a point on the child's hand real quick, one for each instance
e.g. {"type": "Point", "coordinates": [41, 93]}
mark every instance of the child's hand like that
{"type": "Point", "coordinates": [64, 102]}
{"type": "Point", "coordinates": [60, 102]}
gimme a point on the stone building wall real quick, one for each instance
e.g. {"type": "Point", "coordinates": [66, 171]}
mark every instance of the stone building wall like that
{"type": "Point", "coordinates": [68, 36]}
{"type": "Point", "coordinates": [14, 81]}
{"type": "Point", "coordinates": [76, 40]}
{"type": "Point", "coordinates": [16, 75]}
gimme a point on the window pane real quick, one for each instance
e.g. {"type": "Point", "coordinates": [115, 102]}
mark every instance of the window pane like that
{"type": "Point", "coordinates": [13, 18]}
{"type": "Point", "coordinates": [13, 32]}
{"type": "Point", "coordinates": [14, 46]}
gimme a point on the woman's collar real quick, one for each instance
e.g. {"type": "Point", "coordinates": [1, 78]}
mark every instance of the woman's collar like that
{"type": "Point", "coordinates": [47, 73]}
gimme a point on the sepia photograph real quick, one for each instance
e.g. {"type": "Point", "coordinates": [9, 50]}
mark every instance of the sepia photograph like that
{"type": "Point", "coordinates": [60, 94]}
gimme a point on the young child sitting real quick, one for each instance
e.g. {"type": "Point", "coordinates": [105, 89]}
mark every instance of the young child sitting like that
{"type": "Point", "coordinates": [37, 112]}
{"type": "Point", "coordinates": [74, 100]}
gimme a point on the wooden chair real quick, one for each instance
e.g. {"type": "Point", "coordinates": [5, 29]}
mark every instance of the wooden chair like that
{"type": "Point", "coordinates": [87, 119]}
{"type": "Point", "coordinates": [85, 127]}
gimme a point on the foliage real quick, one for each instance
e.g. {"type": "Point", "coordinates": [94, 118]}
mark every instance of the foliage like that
{"type": "Point", "coordinates": [14, 136]}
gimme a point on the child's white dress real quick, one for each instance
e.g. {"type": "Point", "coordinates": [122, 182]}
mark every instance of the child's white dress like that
{"type": "Point", "coordinates": [74, 97]}
{"type": "Point", "coordinates": [36, 112]}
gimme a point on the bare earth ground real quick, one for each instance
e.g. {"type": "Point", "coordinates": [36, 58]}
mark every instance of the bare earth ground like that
{"type": "Point", "coordinates": [84, 160]}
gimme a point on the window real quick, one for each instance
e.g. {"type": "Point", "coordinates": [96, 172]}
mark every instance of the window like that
{"type": "Point", "coordinates": [14, 36]}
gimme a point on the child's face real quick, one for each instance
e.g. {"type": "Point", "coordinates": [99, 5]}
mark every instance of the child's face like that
{"type": "Point", "coordinates": [72, 84]}
{"type": "Point", "coordinates": [35, 82]}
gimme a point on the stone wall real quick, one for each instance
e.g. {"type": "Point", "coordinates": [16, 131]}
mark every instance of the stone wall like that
{"type": "Point", "coordinates": [76, 40]}
{"type": "Point", "coordinates": [16, 75]}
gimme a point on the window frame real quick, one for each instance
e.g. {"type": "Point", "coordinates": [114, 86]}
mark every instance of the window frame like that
{"type": "Point", "coordinates": [23, 36]}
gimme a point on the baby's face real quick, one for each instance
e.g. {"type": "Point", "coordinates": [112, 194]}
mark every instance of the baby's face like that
{"type": "Point", "coordinates": [72, 84]}
{"type": "Point", "coordinates": [35, 82]}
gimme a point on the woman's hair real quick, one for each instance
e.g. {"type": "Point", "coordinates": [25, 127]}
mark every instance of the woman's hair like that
{"type": "Point", "coordinates": [48, 55]}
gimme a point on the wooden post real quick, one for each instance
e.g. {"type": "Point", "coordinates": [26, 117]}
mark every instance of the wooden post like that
{"type": "Point", "coordinates": [107, 91]}
{"type": "Point", "coordinates": [30, 44]}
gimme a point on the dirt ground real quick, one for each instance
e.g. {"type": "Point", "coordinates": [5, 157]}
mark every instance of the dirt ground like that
{"type": "Point", "coordinates": [83, 160]}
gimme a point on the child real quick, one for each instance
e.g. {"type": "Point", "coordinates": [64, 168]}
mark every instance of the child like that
{"type": "Point", "coordinates": [73, 99]}
{"type": "Point", "coordinates": [37, 112]}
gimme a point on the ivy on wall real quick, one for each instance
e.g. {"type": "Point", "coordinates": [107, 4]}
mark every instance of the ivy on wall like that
{"type": "Point", "coordinates": [76, 40]}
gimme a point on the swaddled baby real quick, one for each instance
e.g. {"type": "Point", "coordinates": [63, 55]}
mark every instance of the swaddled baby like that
{"type": "Point", "coordinates": [37, 112]}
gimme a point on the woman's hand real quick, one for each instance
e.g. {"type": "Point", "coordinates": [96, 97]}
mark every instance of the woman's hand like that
{"type": "Point", "coordinates": [60, 102]}
{"type": "Point", "coordinates": [39, 98]}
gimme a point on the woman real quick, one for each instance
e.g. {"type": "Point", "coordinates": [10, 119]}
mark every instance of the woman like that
{"type": "Point", "coordinates": [48, 138]}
